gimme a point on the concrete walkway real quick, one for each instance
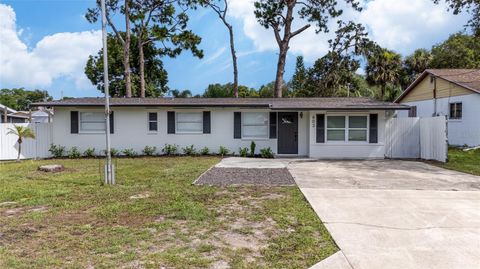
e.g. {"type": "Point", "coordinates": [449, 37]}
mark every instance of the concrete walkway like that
{"type": "Point", "coordinates": [380, 220]}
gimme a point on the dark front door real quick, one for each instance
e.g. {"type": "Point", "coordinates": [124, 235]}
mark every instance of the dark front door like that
{"type": "Point", "coordinates": [287, 133]}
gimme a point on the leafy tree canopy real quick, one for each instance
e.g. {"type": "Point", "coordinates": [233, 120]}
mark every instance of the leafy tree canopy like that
{"type": "Point", "coordinates": [156, 76]}
{"type": "Point", "coordinates": [227, 90]}
{"type": "Point", "coordinates": [458, 51]}
{"type": "Point", "coordinates": [20, 99]}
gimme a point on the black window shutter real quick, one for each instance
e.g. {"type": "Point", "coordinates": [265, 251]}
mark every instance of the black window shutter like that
{"type": "Point", "coordinates": [373, 128]}
{"type": "Point", "coordinates": [171, 122]}
{"type": "Point", "coordinates": [320, 128]}
{"type": "Point", "coordinates": [206, 122]}
{"type": "Point", "coordinates": [111, 122]}
{"type": "Point", "coordinates": [237, 125]}
{"type": "Point", "coordinates": [273, 124]}
{"type": "Point", "coordinates": [74, 122]}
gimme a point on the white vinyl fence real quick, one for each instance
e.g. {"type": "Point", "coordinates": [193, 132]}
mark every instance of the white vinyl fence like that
{"type": "Point", "coordinates": [417, 138]}
{"type": "Point", "coordinates": [31, 148]}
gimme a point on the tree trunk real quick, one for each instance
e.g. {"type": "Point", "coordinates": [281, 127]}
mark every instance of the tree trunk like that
{"type": "Point", "coordinates": [282, 56]}
{"type": "Point", "coordinates": [126, 52]}
{"type": "Point", "coordinates": [234, 60]}
{"type": "Point", "coordinates": [19, 150]}
{"type": "Point", "coordinates": [142, 65]}
{"type": "Point", "coordinates": [283, 46]}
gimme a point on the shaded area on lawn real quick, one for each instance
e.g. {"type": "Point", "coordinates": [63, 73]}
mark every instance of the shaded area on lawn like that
{"type": "Point", "coordinates": [219, 176]}
{"type": "Point", "coordinates": [153, 217]}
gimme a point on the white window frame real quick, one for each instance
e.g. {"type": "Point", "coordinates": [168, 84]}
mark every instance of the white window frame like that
{"type": "Point", "coordinates": [267, 116]}
{"type": "Point", "coordinates": [188, 132]}
{"type": "Point", "coordinates": [366, 129]}
{"type": "Point", "coordinates": [149, 121]}
{"type": "Point", "coordinates": [335, 129]}
{"type": "Point", "coordinates": [80, 121]}
{"type": "Point", "coordinates": [347, 129]}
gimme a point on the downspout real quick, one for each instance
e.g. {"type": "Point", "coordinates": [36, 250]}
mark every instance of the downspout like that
{"type": "Point", "coordinates": [434, 96]}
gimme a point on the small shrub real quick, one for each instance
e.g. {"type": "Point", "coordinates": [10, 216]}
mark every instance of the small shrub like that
{"type": "Point", "coordinates": [170, 149]}
{"type": "Point", "coordinates": [266, 153]}
{"type": "Point", "coordinates": [222, 151]}
{"type": "Point", "coordinates": [89, 153]}
{"type": "Point", "coordinates": [149, 151]}
{"type": "Point", "coordinates": [113, 152]}
{"type": "Point", "coordinates": [243, 152]}
{"type": "Point", "coordinates": [189, 150]}
{"type": "Point", "coordinates": [57, 151]}
{"type": "Point", "coordinates": [74, 153]}
{"type": "Point", "coordinates": [129, 152]}
{"type": "Point", "coordinates": [205, 151]}
{"type": "Point", "coordinates": [252, 148]}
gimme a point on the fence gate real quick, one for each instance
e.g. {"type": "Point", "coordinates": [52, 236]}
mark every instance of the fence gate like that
{"type": "Point", "coordinates": [417, 138]}
{"type": "Point", "coordinates": [31, 148]}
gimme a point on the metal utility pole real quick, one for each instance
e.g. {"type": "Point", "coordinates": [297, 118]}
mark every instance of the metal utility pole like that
{"type": "Point", "coordinates": [109, 169]}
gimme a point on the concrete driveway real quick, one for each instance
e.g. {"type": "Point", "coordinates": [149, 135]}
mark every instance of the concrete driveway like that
{"type": "Point", "coordinates": [394, 214]}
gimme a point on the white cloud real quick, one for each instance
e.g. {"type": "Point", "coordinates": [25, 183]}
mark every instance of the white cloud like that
{"type": "Point", "coordinates": [61, 55]}
{"type": "Point", "coordinates": [214, 56]}
{"type": "Point", "coordinates": [401, 25]}
{"type": "Point", "coordinates": [404, 25]}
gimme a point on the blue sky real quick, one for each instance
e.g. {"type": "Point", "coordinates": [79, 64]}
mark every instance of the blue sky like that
{"type": "Point", "coordinates": [44, 44]}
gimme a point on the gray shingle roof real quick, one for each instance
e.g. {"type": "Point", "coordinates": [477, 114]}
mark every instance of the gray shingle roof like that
{"type": "Point", "coordinates": [334, 103]}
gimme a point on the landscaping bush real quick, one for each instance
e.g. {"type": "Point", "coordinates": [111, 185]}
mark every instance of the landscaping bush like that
{"type": "Point", "coordinates": [170, 149]}
{"type": "Point", "coordinates": [57, 151]}
{"type": "Point", "coordinates": [189, 150]}
{"type": "Point", "coordinates": [205, 151]}
{"type": "Point", "coordinates": [243, 152]}
{"type": "Point", "coordinates": [113, 152]}
{"type": "Point", "coordinates": [74, 153]}
{"type": "Point", "coordinates": [129, 152]}
{"type": "Point", "coordinates": [222, 151]}
{"type": "Point", "coordinates": [149, 151]}
{"type": "Point", "coordinates": [266, 153]}
{"type": "Point", "coordinates": [252, 148]}
{"type": "Point", "coordinates": [89, 153]}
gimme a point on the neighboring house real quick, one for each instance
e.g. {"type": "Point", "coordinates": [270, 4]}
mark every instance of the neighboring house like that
{"type": "Point", "coordinates": [41, 116]}
{"type": "Point", "coordinates": [315, 127]}
{"type": "Point", "coordinates": [9, 115]}
{"type": "Point", "coordinates": [454, 93]}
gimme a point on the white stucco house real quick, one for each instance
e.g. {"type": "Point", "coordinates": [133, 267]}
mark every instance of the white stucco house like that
{"type": "Point", "coordinates": [342, 128]}
{"type": "Point", "coordinates": [453, 93]}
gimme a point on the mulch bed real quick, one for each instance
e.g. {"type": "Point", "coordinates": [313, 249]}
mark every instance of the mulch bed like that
{"type": "Point", "coordinates": [218, 176]}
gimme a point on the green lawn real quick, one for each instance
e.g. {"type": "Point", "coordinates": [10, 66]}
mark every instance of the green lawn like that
{"type": "Point", "coordinates": [69, 220]}
{"type": "Point", "coordinates": [463, 161]}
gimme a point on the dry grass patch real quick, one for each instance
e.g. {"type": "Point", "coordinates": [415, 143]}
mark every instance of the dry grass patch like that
{"type": "Point", "coordinates": [154, 217]}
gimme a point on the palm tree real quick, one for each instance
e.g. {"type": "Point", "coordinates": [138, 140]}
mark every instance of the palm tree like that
{"type": "Point", "coordinates": [383, 69]}
{"type": "Point", "coordinates": [22, 132]}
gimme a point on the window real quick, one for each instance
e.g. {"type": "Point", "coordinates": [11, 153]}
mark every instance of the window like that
{"type": "Point", "coordinates": [357, 128]}
{"type": "Point", "coordinates": [347, 128]}
{"type": "Point", "coordinates": [412, 112]}
{"type": "Point", "coordinates": [189, 122]}
{"type": "Point", "coordinates": [92, 122]}
{"type": "Point", "coordinates": [336, 128]}
{"type": "Point", "coordinates": [152, 121]}
{"type": "Point", "coordinates": [254, 125]}
{"type": "Point", "coordinates": [455, 111]}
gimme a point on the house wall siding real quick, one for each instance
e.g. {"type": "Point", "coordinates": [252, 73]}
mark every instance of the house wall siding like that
{"type": "Point", "coordinates": [465, 131]}
{"type": "Point", "coordinates": [424, 90]}
{"type": "Point", "coordinates": [131, 131]}
{"type": "Point", "coordinates": [347, 150]}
